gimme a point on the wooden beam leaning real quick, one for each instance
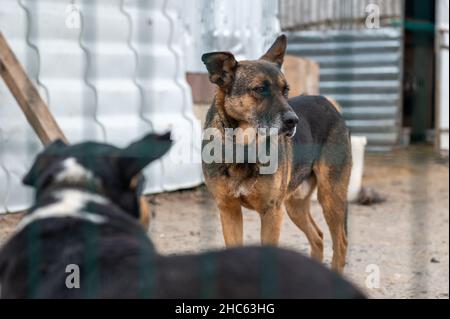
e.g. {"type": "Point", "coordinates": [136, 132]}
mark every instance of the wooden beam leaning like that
{"type": "Point", "coordinates": [27, 96]}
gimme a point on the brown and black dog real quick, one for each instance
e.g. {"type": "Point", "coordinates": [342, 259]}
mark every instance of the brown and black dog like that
{"type": "Point", "coordinates": [314, 150]}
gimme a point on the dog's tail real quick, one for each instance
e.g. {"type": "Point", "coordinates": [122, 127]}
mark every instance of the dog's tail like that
{"type": "Point", "coordinates": [335, 104]}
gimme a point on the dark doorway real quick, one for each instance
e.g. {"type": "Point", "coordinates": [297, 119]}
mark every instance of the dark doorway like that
{"type": "Point", "coordinates": [419, 69]}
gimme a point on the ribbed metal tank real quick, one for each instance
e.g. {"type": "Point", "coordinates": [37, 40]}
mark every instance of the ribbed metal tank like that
{"type": "Point", "coordinates": [110, 70]}
{"type": "Point", "coordinates": [246, 28]}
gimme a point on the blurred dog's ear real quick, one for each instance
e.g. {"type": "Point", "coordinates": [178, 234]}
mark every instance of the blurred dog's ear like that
{"type": "Point", "coordinates": [133, 159]}
{"type": "Point", "coordinates": [277, 51]}
{"type": "Point", "coordinates": [35, 176]}
{"type": "Point", "coordinates": [221, 67]}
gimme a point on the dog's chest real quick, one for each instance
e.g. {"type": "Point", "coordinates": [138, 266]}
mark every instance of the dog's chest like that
{"type": "Point", "coordinates": [254, 191]}
{"type": "Point", "coordinates": [242, 180]}
{"type": "Point", "coordinates": [247, 193]}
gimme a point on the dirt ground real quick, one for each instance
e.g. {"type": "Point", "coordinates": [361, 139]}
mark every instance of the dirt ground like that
{"type": "Point", "coordinates": [406, 238]}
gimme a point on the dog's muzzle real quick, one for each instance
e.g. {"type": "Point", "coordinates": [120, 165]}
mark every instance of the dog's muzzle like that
{"type": "Point", "coordinates": [290, 121]}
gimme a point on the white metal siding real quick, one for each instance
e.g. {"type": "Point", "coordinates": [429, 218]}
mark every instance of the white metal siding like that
{"type": "Point", "coordinates": [442, 73]}
{"type": "Point", "coordinates": [117, 77]}
{"type": "Point", "coordinates": [245, 28]}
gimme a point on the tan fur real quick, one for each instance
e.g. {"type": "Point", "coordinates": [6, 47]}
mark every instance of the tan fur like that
{"type": "Point", "coordinates": [240, 108]}
{"type": "Point", "coordinates": [144, 210]}
{"type": "Point", "coordinates": [332, 197]}
{"type": "Point", "coordinates": [144, 213]}
{"type": "Point", "coordinates": [335, 104]}
{"type": "Point", "coordinates": [298, 209]}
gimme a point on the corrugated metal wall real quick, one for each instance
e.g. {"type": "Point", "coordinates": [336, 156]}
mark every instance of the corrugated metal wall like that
{"type": "Point", "coordinates": [361, 69]}
{"type": "Point", "coordinates": [442, 80]}
{"type": "Point", "coordinates": [110, 70]}
{"type": "Point", "coordinates": [335, 14]}
{"type": "Point", "coordinates": [245, 28]}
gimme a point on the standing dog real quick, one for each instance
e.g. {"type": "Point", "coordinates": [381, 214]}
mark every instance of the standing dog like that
{"type": "Point", "coordinates": [313, 150]}
{"type": "Point", "coordinates": [86, 215]}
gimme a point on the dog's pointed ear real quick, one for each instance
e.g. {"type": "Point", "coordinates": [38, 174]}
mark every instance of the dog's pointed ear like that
{"type": "Point", "coordinates": [277, 51]}
{"type": "Point", "coordinates": [221, 67]}
{"type": "Point", "coordinates": [43, 160]}
{"type": "Point", "coordinates": [134, 158]}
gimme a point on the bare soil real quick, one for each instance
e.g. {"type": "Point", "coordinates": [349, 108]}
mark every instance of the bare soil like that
{"type": "Point", "coordinates": [406, 237]}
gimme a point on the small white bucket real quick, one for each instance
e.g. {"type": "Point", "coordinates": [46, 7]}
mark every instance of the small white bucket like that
{"type": "Point", "coordinates": [358, 149]}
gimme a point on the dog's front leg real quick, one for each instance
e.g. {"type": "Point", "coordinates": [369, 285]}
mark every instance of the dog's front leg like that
{"type": "Point", "coordinates": [232, 223]}
{"type": "Point", "coordinates": [271, 220]}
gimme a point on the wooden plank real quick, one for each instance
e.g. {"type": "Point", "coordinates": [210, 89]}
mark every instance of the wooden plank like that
{"type": "Point", "coordinates": [27, 96]}
{"type": "Point", "coordinates": [302, 75]}
{"type": "Point", "coordinates": [203, 90]}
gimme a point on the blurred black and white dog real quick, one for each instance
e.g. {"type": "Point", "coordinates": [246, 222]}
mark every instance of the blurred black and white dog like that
{"type": "Point", "coordinates": [83, 239]}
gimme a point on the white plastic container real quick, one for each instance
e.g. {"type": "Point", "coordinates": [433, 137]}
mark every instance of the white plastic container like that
{"type": "Point", "coordinates": [358, 148]}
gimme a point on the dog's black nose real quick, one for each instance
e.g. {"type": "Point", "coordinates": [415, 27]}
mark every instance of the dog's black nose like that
{"type": "Point", "coordinates": [290, 120]}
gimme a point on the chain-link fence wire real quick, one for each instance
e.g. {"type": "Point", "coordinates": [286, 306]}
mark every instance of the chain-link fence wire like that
{"type": "Point", "coordinates": [208, 272]}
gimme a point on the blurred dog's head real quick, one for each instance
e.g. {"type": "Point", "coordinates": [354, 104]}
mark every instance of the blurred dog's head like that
{"type": "Point", "coordinates": [99, 168]}
{"type": "Point", "coordinates": [253, 94]}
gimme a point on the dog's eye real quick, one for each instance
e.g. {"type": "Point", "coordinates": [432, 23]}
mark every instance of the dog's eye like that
{"type": "Point", "coordinates": [261, 90]}
{"type": "Point", "coordinates": [286, 91]}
